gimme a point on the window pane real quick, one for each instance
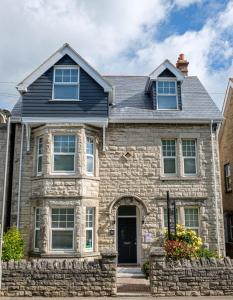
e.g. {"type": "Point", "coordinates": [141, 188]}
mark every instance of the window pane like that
{"type": "Point", "coordinates": [189, 147]}
{"type": "Point", "coordinates": [90, 164]}
{"type": "Point", "coordinates": [39, 164]}
{"type": "Point", "coordinates": [63, 162]}
{"type": "Point", "coordinates": [191, 217]}
{"type": "Point", "coordinates": [89, 241]}
{"type": "Point", "coordinates": [40, 146]}
{"type": "Point", "coordinates": [62, 239]}
{"type": "Point", "coordinates": [37, 239]}
{"type": "Point", "coordinates": [167, 102]}
{"type": "Point", "coordinates": [65, 91]}
{"type": "Point", "coordinates": [190, 166]}
{"type": "Point", "coordinates": [90, 146]}
{"type": "Point", "coordinates": [169, 165]}
{"type": "Point", "coordinates": [64, 143]}
{"type": "Point", "coordinates": [62, 218]}
{"type": "Point", "coordinates": [169, 147]}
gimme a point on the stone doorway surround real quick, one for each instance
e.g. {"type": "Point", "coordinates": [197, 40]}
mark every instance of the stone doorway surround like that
{"type": "Point", "coordinates": [142, 212]}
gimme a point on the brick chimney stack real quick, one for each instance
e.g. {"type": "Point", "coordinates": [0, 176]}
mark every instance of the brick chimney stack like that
{"type": "Point", "coordinates": [182, 64]}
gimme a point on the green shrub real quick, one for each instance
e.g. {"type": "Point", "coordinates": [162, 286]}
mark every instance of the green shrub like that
{"type": "Point", "coordinates": [13, 245]}
{"type": "Point", "coordinates": [146, 269]}
{"type": "Point", "coordinates": [206, 253]}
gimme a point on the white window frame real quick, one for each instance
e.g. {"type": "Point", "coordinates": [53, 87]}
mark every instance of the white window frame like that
{"type": "Point", "coordinates": [193, 228]}
{"type": "Point", "coordinates": [164, 157]}
{"type": "Point", "coordinates": [90, 155]}
{"type": "Point", "coordinates": [164, 79]}
{"type": "Point", "coordinates": [92, 229]}
{"type": "Point", "coordinates": [39, 155]}
{"type": "Point", "coordinates": [66, 83]}
{"type": "Point", "coordinates": [64, 153]}
{"type": "Point", "coordinates": [36, 228]}
{"type": "Point", "coordinates": [51, 229]}
{"type": "Point", "coordinates": [189, 157]}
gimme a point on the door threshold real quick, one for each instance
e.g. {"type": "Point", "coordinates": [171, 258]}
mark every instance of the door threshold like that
{"type": "Point", "coordinates": [128, 265]}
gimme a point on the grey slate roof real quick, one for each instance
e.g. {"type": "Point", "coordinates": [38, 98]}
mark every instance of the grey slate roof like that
{"type": "Point", "coordinates": [132, 103]}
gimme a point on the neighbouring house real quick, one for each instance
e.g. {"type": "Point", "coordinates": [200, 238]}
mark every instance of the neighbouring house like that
{"type": "Point", "coordinates": [93, 157]}
{"type": "Point", "coordinates": [226, 163]}
{"type": "Point", "coordinates": [4, 115]}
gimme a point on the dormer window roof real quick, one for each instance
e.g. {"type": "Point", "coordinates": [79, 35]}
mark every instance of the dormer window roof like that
{"type": "Point", "coordinates": [160, 69]}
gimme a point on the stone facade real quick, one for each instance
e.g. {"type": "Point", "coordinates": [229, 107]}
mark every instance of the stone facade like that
{"type": "Point", "coordinates": [198, 277]}
{"type": "Point", "coordinates": [60, 278]}
{"type": "Point", "coordinates": [128, 172]}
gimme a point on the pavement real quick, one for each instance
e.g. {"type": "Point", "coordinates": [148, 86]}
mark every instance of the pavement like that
{"type": "Point", "coordinates": [122, 298]}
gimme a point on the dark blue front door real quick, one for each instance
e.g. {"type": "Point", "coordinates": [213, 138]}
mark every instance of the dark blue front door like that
{"type": "Point", "coordinates": [127, 240]}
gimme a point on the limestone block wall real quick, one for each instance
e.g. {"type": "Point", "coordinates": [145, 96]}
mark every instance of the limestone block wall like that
{"type": "Point", "coordinates": [198, 277]}
{"type": "Point", "coordinates": [60, 278]}
{"type": "Point", "coordinates": [131, 165]}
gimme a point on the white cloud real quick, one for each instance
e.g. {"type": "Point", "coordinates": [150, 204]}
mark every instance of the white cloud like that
{"type": "Point", "coordinates": [104, 32]}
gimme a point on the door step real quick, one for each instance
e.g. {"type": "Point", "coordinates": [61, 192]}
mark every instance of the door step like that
{"type": "Point", "coordinates": [129, 272]}
{"type": "Point", "coordinates": [133, 286]}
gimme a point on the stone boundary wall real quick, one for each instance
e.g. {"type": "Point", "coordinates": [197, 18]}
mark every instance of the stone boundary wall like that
{"type": "Point", "coordinates": [198, 277]}
{"type": "Point", "coordinates": [60, 277]}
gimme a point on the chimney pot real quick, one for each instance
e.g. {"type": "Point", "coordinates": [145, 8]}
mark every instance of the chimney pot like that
{"type": "Point", "coordinates": [182, 64]}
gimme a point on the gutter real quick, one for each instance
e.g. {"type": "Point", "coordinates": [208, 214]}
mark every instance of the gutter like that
{"type": "Point", "coordinates": [165, 121]}
{"type": "Point", "coordinates": [215, 185]}
{"type": "Point", "coordinates": [4, 197]}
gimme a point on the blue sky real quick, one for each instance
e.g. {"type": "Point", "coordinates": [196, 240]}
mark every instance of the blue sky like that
{"type": "Point", "coordinates": [118, 37]}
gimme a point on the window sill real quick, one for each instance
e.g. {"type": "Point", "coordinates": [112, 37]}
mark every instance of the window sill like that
{"type": "Point", "coordinates": [63, 176]}
{"type": "Point", "coordinates": [173, 178]}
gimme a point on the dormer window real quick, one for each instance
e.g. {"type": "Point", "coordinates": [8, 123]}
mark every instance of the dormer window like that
{"type": "Point", "coordinates": [167, 94]}
{"type": "Point", "coordinates": [66, 83]}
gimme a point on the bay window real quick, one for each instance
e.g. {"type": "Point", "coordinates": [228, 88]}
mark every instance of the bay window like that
{"type": "Point", "coordinates": [169, 156]}
{"type": "Point", "coordinates": [189, 156]}
{"type": "Point", "coordinates": [62, 229]}
{"type": "Point", "coordinates": [66, 83]}
{"type": "Point", "coordinates": [90, 223]}
{"type": "Point", "coordinates": [64, 153]}
{"type": "Point", "coordinates": [90, 155]}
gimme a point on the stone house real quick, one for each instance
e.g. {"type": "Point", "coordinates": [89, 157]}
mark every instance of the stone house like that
{"type": "Point", "coordinates": [94, 156]}
{"type": "Point", "coordinates": [226, 164]}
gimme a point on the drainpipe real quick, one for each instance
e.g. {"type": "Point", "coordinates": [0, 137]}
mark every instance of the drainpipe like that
{"type": "Point", "coordinates": [4, 197]}
{"type": "Point", "coordinates": [215, 186]}
{"type": "Point", "coordinates": [20, 177]}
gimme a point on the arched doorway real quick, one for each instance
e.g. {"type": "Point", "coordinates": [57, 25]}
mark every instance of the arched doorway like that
{"type": "Point", "coordinates": [128, 213]}
{"type": "Point", "coordinates": [127, 234]}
